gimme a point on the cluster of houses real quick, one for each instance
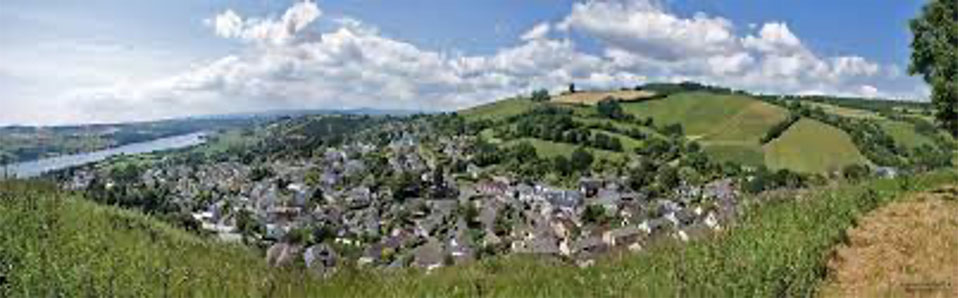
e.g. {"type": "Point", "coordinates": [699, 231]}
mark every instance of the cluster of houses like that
{"type": "Point", "coordinates": [348, 215]}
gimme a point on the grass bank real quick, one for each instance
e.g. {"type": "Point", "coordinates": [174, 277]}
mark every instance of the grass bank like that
{"type": "Point", "coordinates": [53, 243]}
{"type": "Point", "coordinates": [778, 249]}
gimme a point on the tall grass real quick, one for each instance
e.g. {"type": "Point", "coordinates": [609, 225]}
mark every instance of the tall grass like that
{"type": "Point", "coordinates": [52, 243]}
{"type": "Point", "coordinates": [55, 244]}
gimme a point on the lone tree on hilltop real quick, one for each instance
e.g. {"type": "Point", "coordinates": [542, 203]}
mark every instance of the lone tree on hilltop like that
{"type": "Point", "coordinates": [540, 95]}
{"type": "Point", "coordinates": [935, 57]}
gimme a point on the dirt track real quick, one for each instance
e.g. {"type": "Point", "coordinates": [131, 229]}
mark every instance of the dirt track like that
{"type": "Point", "coordinates": [906, 249]}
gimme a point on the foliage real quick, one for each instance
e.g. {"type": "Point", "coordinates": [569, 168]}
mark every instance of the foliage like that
{"type": "Point", "coordinates": [581, 159]}
{"type": "Point", "coordinates": [935, 57]}
{"type": "Point", "coordinates": [540, 95]}
{"type": "Point", "coordinates": [594, 214]}
{"type": "Point", "coordinates": [610, 108]}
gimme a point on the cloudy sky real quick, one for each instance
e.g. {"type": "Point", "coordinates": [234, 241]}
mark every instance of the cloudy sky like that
{"type": "Point", "coordinates": [117, 60]}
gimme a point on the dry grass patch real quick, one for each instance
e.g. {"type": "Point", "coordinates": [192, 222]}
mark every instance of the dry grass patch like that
{"type": "Point", "coordinates": [906, 249]}
{"type": "Point", "coordinates": [594, 97]}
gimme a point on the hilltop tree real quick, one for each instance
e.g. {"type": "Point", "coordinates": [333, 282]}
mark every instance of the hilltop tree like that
{"type": "Point", "coordinates": [540, 95]}
{"type": "Point", "coordinates": [935, 57]}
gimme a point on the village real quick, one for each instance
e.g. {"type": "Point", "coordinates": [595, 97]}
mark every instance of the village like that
{"type": "Point", "coordinates": [333, 209]}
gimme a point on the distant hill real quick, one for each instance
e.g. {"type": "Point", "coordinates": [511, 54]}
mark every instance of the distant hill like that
{"type": "Point", "coordinates": [731, 125]}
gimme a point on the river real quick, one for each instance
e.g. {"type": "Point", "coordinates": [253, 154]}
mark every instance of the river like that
{"type": "Point", "coordinates": [35, 168]}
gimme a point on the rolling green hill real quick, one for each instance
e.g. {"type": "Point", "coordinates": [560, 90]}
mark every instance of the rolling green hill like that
{"type": "Point", "coordinates": [812, 147]}
{"type": "Point", "coordinates": [729, 126]}
{"type": "Point", "coordinates": [711, 116]}
{"type": "Point", "coordinates": [499, 109]}
{"type": "Point", "coordinates": [904, 133]}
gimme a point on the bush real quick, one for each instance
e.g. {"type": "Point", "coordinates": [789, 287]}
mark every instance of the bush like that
{"type": "Point", "coordinates": [856, 172]}
{"type": "Point", "coordinates": [610, 108]}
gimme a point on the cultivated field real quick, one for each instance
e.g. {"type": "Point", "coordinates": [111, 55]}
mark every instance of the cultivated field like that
{"type": "Point", "coordinates": [594, 97]}
{"type": "Point", "coordinates": [498, 110]}
{"type": "Point", "coordinates": [810, 146]}
{"type": "Point", "coordinates": [904, 133]}
{"type": "Point", "coordinates": [728, 126]}
{"type": "Point", "coordinates": [845, 112]}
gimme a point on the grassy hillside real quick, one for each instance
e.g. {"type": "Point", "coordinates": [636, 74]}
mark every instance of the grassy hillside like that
{"type": "Point", "coordinates": [54, 244]}
{"type": "Point", "coordinates": [904, 133]}
{"type": "Point", "coordinates": [499, 110]}
{"type": "Point", "coordinates": [729, 126]}
{"type": "Point", "coordinates": [712, 116]}
{"type": "Point", "coordinates": [779, 249]}
{"type": "Point", "coordinates": [812, 147]}
{"type": "Point", "coordinates": [551, 149]}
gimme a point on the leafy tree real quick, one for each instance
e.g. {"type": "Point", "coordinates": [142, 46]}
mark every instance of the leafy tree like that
{"type": "Point", "coordinates": [594, 214]}
{"type": "Point", "coordinates": [674, 130]}
{"type": "Point", "coordinates": [540, 95]}
{"type": "Point", "coordinates": [855, 172]}
{"type": "Point", "coordinates": [562, 165]}
{"type": "Point", "coordinates": [405, 186]}
{"type": "Point", "coordinates": [668, 177]}
{"type": "Point", "coordinates": [610, 108]}
{"type": "Point", "coordinates": [524, 152]}
{"type": "Point", "coordinates": [935, 57]}
{"type": "Point", "coordinates": [246, 224]}
{"type": "Point", "coordinates": [581, 159]}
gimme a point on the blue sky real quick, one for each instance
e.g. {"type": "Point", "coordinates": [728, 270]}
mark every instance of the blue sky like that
{"type": "Point", "coordinates": [108, 60]}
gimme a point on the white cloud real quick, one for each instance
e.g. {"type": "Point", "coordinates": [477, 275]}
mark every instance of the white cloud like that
{"type": "Point", "coordinates": [355, 66]}
{"type": "Point", "coordinates": [644, 26]}
{"type": "Point", "coordinates": [231, 25]}
{"type": "Point", "coordinates": [641, 36]}
{"type": "Point", "coordinates": [538, 32]}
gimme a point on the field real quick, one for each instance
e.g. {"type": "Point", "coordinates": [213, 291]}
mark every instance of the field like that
{"type": "Point", "coordinates": [499, 110]}
{"type": "Point", "coordinates": [594, 97]}
{"type": "Point", "coordinates": [845, 112]}
{"type": "Point", "coordinates": [549, 149]}
{"type": "Point", "coordinates": [751, 155]}
{"type": "Point", "coordinates": [812, 147]}
{"type": "Point", "coordinates": [728, 126]}
{"type": "Point", "coordinates": [904, 133]}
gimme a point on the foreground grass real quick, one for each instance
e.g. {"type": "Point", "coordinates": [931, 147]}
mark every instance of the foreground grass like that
{"type": "Point", "coordinates": [907, 248]}
{"type": "Point", "coordinates": [56, 244]}
{"type": "Point", "coordinates": [779, 249]}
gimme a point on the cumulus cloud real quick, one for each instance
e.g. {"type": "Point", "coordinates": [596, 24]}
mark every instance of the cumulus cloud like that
{"type": "Point", "coordinates": [538, 32]}
{"type": "Point", "coordinates": [351, 67]}
{"type": "Point", "coordinates": [354, 66]}
{"type": "Point", "coordinates": [276, 31]}
{"type": "Point", "coordinates": [643, 36]}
